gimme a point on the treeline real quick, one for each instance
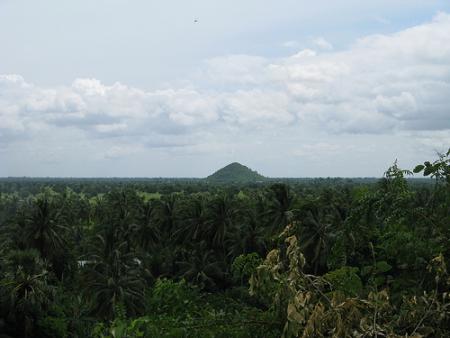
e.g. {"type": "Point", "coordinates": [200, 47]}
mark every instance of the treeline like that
{"type": "Point", "coordinates": [90, 187]}
{"type": "Point", "coordinates": [319, 259]}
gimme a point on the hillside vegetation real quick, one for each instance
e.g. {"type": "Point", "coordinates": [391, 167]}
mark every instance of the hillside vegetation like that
{"type": "Point", "coordinates": [235, 172]}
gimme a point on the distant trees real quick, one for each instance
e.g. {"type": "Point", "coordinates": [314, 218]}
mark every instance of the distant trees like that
{"type": "Point", "coordinates": [341, 258]}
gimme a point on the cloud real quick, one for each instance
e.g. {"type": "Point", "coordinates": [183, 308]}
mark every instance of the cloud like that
{"type": "Point", "coordinates": [321, 43]}
{"type": "Point", "coordinates": [381, 84]}
{"type": "Point", "coordinates": [397, 106]}
{"type": "Point", "coordinates": [108, 128]}
{"type": "Point", "coordinates": [290, 44]}
{"type": "Point", "coordinates": [235, 70]}
{"type": "Point", "coordinates": [121, 151]}
{"type": "Point", "coordinates": [381, 20]}
{"type": "Point", "coordinates": [319, 149]}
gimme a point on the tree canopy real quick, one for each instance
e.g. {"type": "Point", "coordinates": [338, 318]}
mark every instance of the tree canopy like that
{"type": "Point", "coordinates": [186, 258]}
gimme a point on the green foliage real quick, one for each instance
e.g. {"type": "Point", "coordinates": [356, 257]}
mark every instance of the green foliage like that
{"type": "Point", "coordinates": [170, 297]}
{"type": "Point", "coordinates": [244, 266]}
{"type": "Point", "coordinates": [332, 305]}
{"type": "Point", "coordinates": [439, 169]}
{"type": "Point", "coordinates": [25, 292]}
{"type": "Point", "coordinates": [171, 258]}
{"type": "Point", "coordinates": [235, 172]}
{"type": "Point", "coordinates": [338, 255]}
{"type": "Point", "coordinates": [176, 309]}
{"type": "Point", "coordinates": [51, 326]}
{"type": "Point", "coordinates": [376, 273]}
{"type": "Point", "coordinates": [112, 277]}
{"type": "Point", "coordinates": [346, 280]}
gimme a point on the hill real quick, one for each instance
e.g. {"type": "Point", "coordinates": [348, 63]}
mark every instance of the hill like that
{"type": "Point", "coordinates": [235, 172]}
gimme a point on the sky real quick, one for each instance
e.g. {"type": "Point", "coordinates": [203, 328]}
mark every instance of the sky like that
{"type": "Point", "coordinates": [290, 88]}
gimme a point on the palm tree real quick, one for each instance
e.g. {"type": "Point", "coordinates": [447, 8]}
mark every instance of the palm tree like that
{"type": "Point", "coordinates": [45, 226]}
{"type": "Point", "coordinates": [123, 212]}
{"type": "Point", "coordinates": [14, 232]}
{"type": "Point", "coordinates": [46, 230]}
{"type": "Point", "coordinates": [318, 227]}
{"type": "Point", "coordinates": [193, 215]}
{"type": "Point", "coordinates": [78, 316]}
{"type": "Point", "coordinates": [112, 278]}
{"type": "Point", "coordinates": [220, 217]}
{"type": "Point", "coordinates": [280, 204]}
{"type": "Point", "coordinates": [146, 233]}
{"type": "Point", "coordinates": [25, 290]}
{"type": "Point", "coordinates": [201, 267]}
{"type": "Point", "coordinates": [164, 214]}
{"type": "Point", "coordinates": [249, 236]}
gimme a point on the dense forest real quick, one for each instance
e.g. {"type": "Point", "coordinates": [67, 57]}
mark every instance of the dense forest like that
{"type": "Point", "coordinates": [189, 258]}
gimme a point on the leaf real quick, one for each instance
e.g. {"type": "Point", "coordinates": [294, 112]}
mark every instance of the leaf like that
{"type": "Point", "coordinates": [428, 171]}
{"type": "Point", "coordinates": [366, 270]}
{"type": "Point", "coordinates": [418, 168]}
{"type": "Point", "coordinates": [293, 315]}
{"type": "Point", "coordinates": [383, 266]}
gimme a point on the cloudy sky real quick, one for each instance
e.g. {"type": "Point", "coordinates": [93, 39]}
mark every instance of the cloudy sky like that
{"type": "Point", "coordinates": [180, 88]}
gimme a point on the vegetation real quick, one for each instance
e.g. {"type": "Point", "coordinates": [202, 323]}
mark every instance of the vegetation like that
{"type": "Point", "coordinates": [235, 172]}
{"type": "Point", "coordinates": [189, 258]}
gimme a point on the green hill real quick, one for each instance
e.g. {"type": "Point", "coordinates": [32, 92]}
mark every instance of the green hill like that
{"type": "Point", "coordinates": [235, 172]}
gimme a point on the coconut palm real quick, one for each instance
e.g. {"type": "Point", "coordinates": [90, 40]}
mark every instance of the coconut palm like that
{"type": "Point", "coordinates": [201, 267]}
{"type": "Point", "coordinates": [45, 226]}
{"type": "Point", "coordinates": [146, 232]}
{"type": "Point", "coordinates": [317, 232]}
{"type": "Point", "coordinates": [220, 217]}
{"type": "Point", "coordinates": [192, 214]}
{"type": "Point", "coordinates": [112, 278]}
{"type": "Point", "coordinates": [165, 214]}
{"type": "Point", "coordinates": [249, 236]}
{"type": "Point", "coordinates": [46, 230]}
{"type": "Point", "coordinates": [280, 204]}
{"type": "Point", "coordinates": [24, 290]}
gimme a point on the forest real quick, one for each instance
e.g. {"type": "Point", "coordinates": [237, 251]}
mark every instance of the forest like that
{"type": "Point", "coordinates": [191, 258]}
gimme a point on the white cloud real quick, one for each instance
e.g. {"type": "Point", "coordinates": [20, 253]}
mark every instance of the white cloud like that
{"type": "Point", "coordinates": [321, 43]}
{"type": "Point", "coordinates": [318, 149]}
{"type": "Point", "coordinates": [397, 106]}
{"type": "Point", "coordinates": [381, 20]}
{"type": "Point", "coordinates": [235, 70]}
{"type": "Point", "coordinates": [121, 151]}
{"type": "Point", "coordinates": [381, 84]}
{"type": "Point", "coordinates": [107, 128]}
{"type": "Point", "coordinates": [89, 87]}
{"type": "Point", "coordinates": [290, 44]}
{"type": "Point", "coordinates": [257, 108]}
